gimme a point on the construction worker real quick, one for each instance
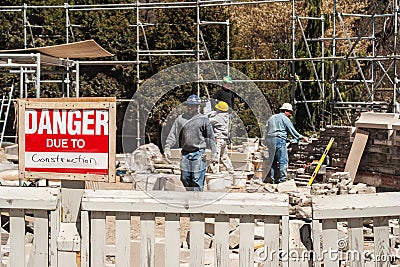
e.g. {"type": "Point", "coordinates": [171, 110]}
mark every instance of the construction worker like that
{"type": "Point", "coordinates": [220, 121]}
{"type": "Point", "coordinates": [193, 132]}
{"type": "Point", "coordinates": [277, 129]}
{"type": "Point", "coordinates": [224, 93]}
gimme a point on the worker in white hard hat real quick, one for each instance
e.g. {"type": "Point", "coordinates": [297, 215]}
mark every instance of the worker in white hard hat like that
{"type": "Point", "coordinates": [277, 129]}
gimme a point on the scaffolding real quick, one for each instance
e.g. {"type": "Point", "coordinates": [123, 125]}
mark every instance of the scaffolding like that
{"type": "Point", "coordinates": [380, 78]}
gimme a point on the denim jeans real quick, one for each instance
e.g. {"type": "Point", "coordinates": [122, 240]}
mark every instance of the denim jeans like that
{"type": "Point", "coordinates": [278, 157]}
{"type": "Point", "coordinates": [193, 170]}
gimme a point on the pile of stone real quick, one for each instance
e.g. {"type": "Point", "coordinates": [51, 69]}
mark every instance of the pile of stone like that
{"type": "Point", "coordinates": [340, 183]}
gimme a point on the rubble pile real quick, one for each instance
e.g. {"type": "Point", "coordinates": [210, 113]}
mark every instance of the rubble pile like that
{"type": "Point", "coordinates": [340, 183]}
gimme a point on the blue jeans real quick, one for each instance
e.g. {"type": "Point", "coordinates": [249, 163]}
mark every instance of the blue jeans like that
{"type": "Point", "coordinates": [193, 170]}
{"type": "Point", "coordinates": [279, 159]}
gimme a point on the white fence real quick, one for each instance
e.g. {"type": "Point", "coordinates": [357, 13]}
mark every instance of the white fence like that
{"type": "Point", "coordinates": [138, 218]}
{"type": "Point", "coordinates": [376, 209]}
{"type": "Point", "coordinates": [20, 206]}
{"type": "Point", "coordinates": [269, 209]}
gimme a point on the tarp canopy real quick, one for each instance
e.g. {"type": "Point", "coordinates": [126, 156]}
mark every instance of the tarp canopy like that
{"type": "Point", "coordinates": [83, 49]}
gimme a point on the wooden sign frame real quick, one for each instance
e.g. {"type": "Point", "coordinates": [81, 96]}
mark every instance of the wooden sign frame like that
{"type": "Point", "coordinates": [83, 103]}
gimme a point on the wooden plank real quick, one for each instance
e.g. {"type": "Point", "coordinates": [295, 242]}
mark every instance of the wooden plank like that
{"type": "Point", "coordinates": [71, 195]}
{"type": "Point", "coordinates": [107, 186]}
{"type": "Point", "coordinates": [55, 219]}
{"type": "Point", "coordinates": [356, 152]}
{"type": "Point", "coordinates": [21, 139]}
{"type": "Point", "coordinates": [28, 198]}
{"type": "Point", "coordinates": [17, 238]}
{"type": "Point", "coordinates": [85, 239]}
{"type": "Point", "coordinates": [122, 239]}
{"type": "Point", "coordinates": [65, 176]}
{"type": "Point", "coordinates": [356, 243]}
{"type": "Point", "coordinates": [112, 132]}
{"type": "Point", "coordinates": [98, 239]}
{"type": "Point", "coordinates": [147, 239]}
{"type": "Point", "coordinates": [221, 240]}
{"type": "Point", "coordinates": [172, 236]}
{"type": "Point", "coordinates": [271, 241]}
{"type": "Point", "coordinates": [316, 234]}
{"type": "Point", "coordinates": [41, 240]}
{"type": "Point", "coordinates": [246, 246]}
{"type": "Point", "coordinates": [66, 105]}
{"type": "Point", "coordinates": [330, 242]}
{"type": "Point", "coordinates": [285, 239]}
{"type": "Point", "coordinates": [1, 238]}
{"type": "Point", "coordinates": [381, 242]}
{"type": "Point", "coordinates": [92, 185]}
{"type": "Point", "coordinates": [356, 206]}
{"type": "Point", "coordinates": [197, 240]}
{"type": "Point", "coordinates": [64, 100]}
{"type": "Point", "coordinates": [186, 202]}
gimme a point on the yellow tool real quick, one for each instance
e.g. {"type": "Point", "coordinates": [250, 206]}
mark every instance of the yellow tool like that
{"type": "Point", "coordinates": [321, 160]}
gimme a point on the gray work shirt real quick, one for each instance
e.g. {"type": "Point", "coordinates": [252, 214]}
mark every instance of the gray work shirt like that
{"type": "Point", "coordinates": [192, 133]}
{"type": "Point", "coordinates": [220, 123]}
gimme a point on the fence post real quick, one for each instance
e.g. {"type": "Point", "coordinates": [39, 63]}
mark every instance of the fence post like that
{"type": "Point", "coordinates": [69, 240]}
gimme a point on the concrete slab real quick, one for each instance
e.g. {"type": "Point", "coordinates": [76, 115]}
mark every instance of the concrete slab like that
{"type": "Point", "coordinates": [377, 120]}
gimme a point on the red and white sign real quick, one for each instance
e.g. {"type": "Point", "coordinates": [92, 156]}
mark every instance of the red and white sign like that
{"type": "Point", "coordinates": [67, 141]}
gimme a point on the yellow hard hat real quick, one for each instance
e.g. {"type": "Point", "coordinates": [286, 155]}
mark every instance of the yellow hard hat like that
{"type": "Point", "coordinates": [223, 106]}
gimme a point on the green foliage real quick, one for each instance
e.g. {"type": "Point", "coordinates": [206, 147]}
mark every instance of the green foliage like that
{"type": "Point", "coordinates": [256, 31]}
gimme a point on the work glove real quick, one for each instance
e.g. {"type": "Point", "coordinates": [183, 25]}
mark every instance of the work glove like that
{"type": "Point", "coordinates": [167, 152]}
{"type": "Point", "coordinates": [214, 158]}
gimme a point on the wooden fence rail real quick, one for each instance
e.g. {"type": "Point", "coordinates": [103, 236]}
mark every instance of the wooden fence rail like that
{"type": "Point", "coordinates": [141, 212]}
{"type": "Point", "coordinates": [20, 205]}
{"type": "Point", "coordinates": [270, 209]}
{"type": "Point", "coordinates": [354, 210]}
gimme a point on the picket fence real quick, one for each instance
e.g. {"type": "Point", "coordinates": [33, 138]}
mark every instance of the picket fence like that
{"type": "Point", "coordinates": [40, 209]}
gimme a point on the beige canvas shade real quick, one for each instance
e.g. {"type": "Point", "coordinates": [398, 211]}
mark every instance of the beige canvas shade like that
{"type": "Point", "coordinates": [82, 49]}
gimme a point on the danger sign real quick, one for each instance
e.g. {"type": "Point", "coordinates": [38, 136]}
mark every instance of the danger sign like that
{"type": "Point", "coordinates": [72, 138]}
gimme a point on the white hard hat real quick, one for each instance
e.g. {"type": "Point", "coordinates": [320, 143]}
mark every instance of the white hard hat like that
{"type": "Point", "coordinates": [286, 106]}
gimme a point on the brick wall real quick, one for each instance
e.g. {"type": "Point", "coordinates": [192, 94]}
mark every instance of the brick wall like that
{"type": "Point", "coordinates": [338, 153]}
{"type": "Point", "coordinates": [379, 164]}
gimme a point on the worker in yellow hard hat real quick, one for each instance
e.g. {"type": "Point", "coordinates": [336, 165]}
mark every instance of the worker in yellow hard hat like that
{"type": "Point", "coordinates": [220, 121]}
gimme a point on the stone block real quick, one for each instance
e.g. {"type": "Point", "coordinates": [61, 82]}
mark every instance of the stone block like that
{"type": "Point", "coordinates": [303, 212]}
{"type": "Point", "coordinates": [11, 150]}
{"type": "Point", "coordinates": [286, 187]}
{"type": "Point", "coordinates": [243, 166]}
{"type": "Point", "coordinates": [149, 181]}
{"type": "Point", "coordinates": [355, 189]}
{"type": "Point", "coordinates": [341, 175]}
{"type": "Point", "coordinates": [239, 156]}
{"type": "Point", "coordinates": [234, 238]}
{"type": "Point", "coordinates": [174, 183]}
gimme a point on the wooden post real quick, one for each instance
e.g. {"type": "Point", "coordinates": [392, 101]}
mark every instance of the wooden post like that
{"type": "Point", "coordinates": [69, 238]}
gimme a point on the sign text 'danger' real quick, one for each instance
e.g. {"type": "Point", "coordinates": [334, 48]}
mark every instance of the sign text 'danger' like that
{"type": "Point", "coordinates": [66, 121]}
